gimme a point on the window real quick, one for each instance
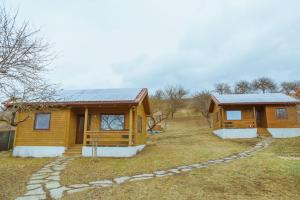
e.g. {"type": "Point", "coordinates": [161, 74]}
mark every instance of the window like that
{"type": "Point", "coordinates": [281, 113]}
{"type": "Point", "coordinates": [140, 124]}
{"type": "Point", "coordinates": [42, 121]}
{"type": "Point", "coordinates": [112, 122]}
{"type": "Point", "coordinates": [234, 115]}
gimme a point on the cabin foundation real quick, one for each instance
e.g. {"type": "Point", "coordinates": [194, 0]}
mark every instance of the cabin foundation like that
{"type": "Point", "coordinates": [117, 152]}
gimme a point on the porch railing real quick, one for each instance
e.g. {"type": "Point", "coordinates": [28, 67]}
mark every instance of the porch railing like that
{"type": "Point", "coordinates": [240, 124]}
{"type": "Point", "coordinates": [106, 138]}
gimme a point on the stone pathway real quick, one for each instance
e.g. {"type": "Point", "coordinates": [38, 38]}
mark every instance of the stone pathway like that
{"type": "Point", "coordinates": [45, 184]}
{"type": "Point", "coordinates": [289, 158]}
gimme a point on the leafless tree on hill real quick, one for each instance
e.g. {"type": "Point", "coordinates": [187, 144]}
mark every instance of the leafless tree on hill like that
{"type": "Point", "coordinates": [289, 86]}
{"type": "Point", "coordinates": [222, 88]}
{"type": "Point", "coordinates": [174, 95]}
{"type": "Point", "coordinates": [23, 60]}
{"type": "Point", "coordinates": [242, 87]}
{"type": "Point", "coordinates": [159, 107]}
{"type": "Point", "coordinates": [201, 104]}
{"type": "Point", "coordinates": [264, 85]}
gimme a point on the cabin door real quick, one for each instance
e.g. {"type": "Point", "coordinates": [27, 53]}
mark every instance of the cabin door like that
{"type": "Point", "coordinates": [80, 129]}
{"type": "Point", "coordinates": [260, 117]}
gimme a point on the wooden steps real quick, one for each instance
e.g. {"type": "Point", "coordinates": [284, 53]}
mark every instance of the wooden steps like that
{"type": "Point", "coordinates": [74, 151]}
{"type": "Point", "coordinates": [263, 133]}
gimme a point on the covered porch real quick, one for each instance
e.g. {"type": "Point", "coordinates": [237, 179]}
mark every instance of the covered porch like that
{"type": "Point", "coordinates": [107, 126]}
{"type": "Point", "coordinates": [252, 116]}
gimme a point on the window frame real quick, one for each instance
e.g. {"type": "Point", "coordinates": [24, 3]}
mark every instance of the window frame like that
{"type": "Point", "coordinates": [234, 111]}
{"type": "Point", "coordinates": [139, 128]}
{"type": "Point", "coordinates": [124, 123]}
{"type": "Point", "coordinates": [286, 113]}
{"type": "Point", "coordinates": [35, 121]}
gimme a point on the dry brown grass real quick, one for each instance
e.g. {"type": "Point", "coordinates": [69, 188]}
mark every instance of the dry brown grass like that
{"type": "Point", "coordinates": [15, 172]}
{"type": "Point", "coordinates": [263, 177]}
{"type": "Point", "coordinates": [187, 140]}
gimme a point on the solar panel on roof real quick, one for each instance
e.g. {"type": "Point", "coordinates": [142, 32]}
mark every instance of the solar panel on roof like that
{"type": "Point", "coordinates": [255, 98]}
{"type": "Point", "coordinates": [127, 94]}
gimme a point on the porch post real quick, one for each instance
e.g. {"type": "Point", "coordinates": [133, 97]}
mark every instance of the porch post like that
{"type": "Point", "coordinates": [254, 115]}
{"type": "Point", "coordinates": [222, 118]}
{"type": "Point", "coordinates": [86, 115]}
{"type": "Point", "coordinates": [130, 127]}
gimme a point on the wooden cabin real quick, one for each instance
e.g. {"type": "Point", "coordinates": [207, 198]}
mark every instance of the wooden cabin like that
{"type": "Point", "coordinates": [101, 122]}
{"type": "Point", "coordinates": [250, 115]}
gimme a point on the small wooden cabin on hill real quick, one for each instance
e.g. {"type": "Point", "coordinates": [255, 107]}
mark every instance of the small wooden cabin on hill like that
{"type": "Point", "coordinates": [250, 115]}
{"type": "Point", "coordinates": [101, 122]}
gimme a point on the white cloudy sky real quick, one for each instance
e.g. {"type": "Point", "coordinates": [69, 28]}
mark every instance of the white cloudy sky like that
{"type": "Point", "coordinates": [142, 43]}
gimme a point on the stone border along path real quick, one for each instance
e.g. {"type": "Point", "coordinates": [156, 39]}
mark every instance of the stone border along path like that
{"type": "Point", "coordinates": [45, 184]}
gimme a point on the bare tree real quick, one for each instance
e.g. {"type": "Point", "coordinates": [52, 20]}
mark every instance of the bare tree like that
{"type": "Point", "coordinates": [242, 87]}
{"type": "Point", "coordinates": [289, 86]}
{"type": "Point", "coordinates": [155, 119]}
{"type": "Point", "coordinates": [201, 104]}
{"type": "Point", "coordinates": [159, 107]}
{"type": "Point", "coordinates": [222, 88]}
{"type": "Point", "coordinates": [264, 84]}
{"type": "Point", "coordinates": [174, 95]}
{"type": "Point", "coordinates": [23, 60]}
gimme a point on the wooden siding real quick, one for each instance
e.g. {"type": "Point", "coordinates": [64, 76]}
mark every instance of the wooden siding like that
{"type": "Point", "coordinates": [63, 125]}
{"type": "Point", "coordinates": [55, 136]}
{"type": "Point", "coordinates": [247, 120]}
{"type": "Point", "coordinates": [249, 117]}
{"type": "Point", "coordinates": [217, 117]}
{"type": "Point", "coordinates": [140, 137]}
{"type": "Point", "coordinates": [290, 122]}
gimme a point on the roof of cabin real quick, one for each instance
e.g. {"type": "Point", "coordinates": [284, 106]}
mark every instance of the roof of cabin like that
{"type": "Point", "coordinates": [254, 98]}
{"type": "Point", "coordinates": [124, 96]}
{"type": "Point", "coordinates": [99, 95]}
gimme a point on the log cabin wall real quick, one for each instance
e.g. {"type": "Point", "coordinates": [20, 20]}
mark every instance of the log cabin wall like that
{"type": "Point", "coordinates": [140, 136]}
{"type": "Point", "coordinates": [247, 114]}
{"type": "Point", "coordinates": [63, 126]}
{"type": "Point", "coordinates": [290, 122]}
{"type": "Point", "coordinates": [217, 117]}
{"type": "Point", "coordinates": [27, 135]}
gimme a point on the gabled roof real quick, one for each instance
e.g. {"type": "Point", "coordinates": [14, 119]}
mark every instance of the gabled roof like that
{"type": "Point", "coordinates": [268, 98]}
{"type": "Point", "coordinates": [100, 95]}
{"type": "Point", "coordinates": [125, 96]}
{"type": "Point", "coordinates": [252, 99]}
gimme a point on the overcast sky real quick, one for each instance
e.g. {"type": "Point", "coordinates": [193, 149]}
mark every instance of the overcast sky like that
{"type": "Point", "coordinates": [143, 43]}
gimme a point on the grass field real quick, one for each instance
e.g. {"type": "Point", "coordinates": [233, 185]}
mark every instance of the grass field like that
{"type": "Point", "coordinates": [15, 172]}
{"type": "Point", "coordinates": [264, 176]}
{"type": "Point", "coordinates": [187, 140]}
